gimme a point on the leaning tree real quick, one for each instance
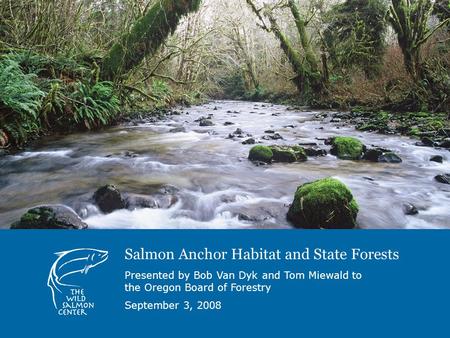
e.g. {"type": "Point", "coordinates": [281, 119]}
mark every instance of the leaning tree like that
{"type": "Point", "coordinates": [145, 36]}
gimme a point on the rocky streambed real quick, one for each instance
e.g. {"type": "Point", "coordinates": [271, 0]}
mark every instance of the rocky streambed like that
{"type": "Point", "coordinates": [191, 170]}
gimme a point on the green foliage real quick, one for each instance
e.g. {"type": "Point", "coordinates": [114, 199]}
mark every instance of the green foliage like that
{"type": "Point", "coordinates": [410, 21]}
{"type": "Point", "coordinates": [20, 101]}
{"type": "Point", "coordinates": [355, 35]}
{"type": "Point", "coordinates": [162, 92]}
{"type": "Point", "coordinates": [94, 105]}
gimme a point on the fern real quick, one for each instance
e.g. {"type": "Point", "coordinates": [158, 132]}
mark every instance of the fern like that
{"type": "Point", "coordinates": [20, 101]}
{"type": "Point", "coordinates": [94, 105]}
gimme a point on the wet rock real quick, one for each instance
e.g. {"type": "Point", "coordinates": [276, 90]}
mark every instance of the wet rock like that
{"type": "Point", "coordinates": [283, 154]}
{"type": "Point", "coordinates": [390, 158]}
{"type": "Point", "coordinates": [206, 123]}
{"type": "Point", "coordinates": [202, 118]}
{"type": "Point", "coordinates": [347, 148]}
{"type": "Point", "coordinates": [228, 123]}
{"type": "Point", "coordinates": [274, 137]}
{"type": "Point", "coordinates": [410, 209]}
{"type": "Point", "coordinates": [260, 213]}
{"type": "Point", "coordinates": [373, 155]}
{"type": "Point", "coordinates": [437, 158]}
{"type": "Point", "coordinates": [158, 201]}
{"type": "Point", "coordinates": [315, 152]}
{"type": "Point", "coordinates": [289, 126]}
{"type": "Point", "coordinates": [382, 156]}
{"type": "Point", "coordinates": [426, 142]}
{"type": "Point", "coordinates": [50, 217]}
{"type": "Point", "coordinates": [300, 153]}
{"type": "Point", "coordinates": [109, 199]}
{"type": "Point", "coordinates": [261, 154]}
{"type": "Point", "coordinates": [249, 141]}
{"type": "Point", "coordinates": [444, 178]}
{"type": "Point", "coordinates": [445, 143]}
{"type": "Point", "coordinates": [270, 132]}
{"type": "Point", "coordinates": [324, 204]}
{"type": "Point", "coordinates": [178, 130]}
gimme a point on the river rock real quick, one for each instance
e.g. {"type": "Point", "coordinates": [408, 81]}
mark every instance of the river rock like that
{"type": "Point", "coordinates": [389, 157]}
{"type": "Point", "coordinates": [158, 201]}
{"type": "Point", "coordinates": [346, 148]}
{"type": "Point", "coordinates": [444, 178]}
{"type": "Point", "coordinates": [437, 158]}
{"type": "Point", "coordinates": [206, 123]}
{"type": "Point", "coordinates": [50, 217]}
{"type": "Point", "coordinates": [178, 130]}
{"type": "Point", "coordinates": [283, 154]}
{"type": "Point", "coordinates": [381, 155]}
{"type": "Point", "coordinates": [109, 199]}
{"type": "Point", "coordinates": [323, 204]}
{"type": "Point", "coordinates": [228, 123]}
{"type": "Point", "coordinates": [315, 152]}
{"type": "Point", "coordinates": [445, 143]}
{"type": "Point", "coordinates": [410, 209]}
{"type": "Point", "coordinates": [261, 154]}
{"type": "Point", "coordinates": [270, 132]}
{"type": "Point", "coordinates": [249, 141]}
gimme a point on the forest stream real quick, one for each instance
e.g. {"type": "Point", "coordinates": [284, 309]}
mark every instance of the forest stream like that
{"type": "Point", "coordinates": [204, 179]}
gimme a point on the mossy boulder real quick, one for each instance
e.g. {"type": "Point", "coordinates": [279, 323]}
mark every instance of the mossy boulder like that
{"type": "Point", "coordinates": [283, 154]}
{"type": "Point", "coordinates": [347, 148]}
{"type": "Point", "coordinates": [50, 217]}
{"type": "Point", "coordinates": [324, 204]}
{"type": "Point", "coordinates": [300, 153]}
{"type": "Point", "coordinates": [261, 154]}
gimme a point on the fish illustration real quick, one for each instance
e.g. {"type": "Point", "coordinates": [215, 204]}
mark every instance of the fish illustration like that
{"type": "Point", "coordinates": [73, 262]}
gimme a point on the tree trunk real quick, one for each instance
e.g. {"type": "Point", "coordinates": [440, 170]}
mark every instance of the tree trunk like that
{"type": "Point", "coordinates": [292, 55]}
{"type": "Point", "coordinates": [145, 37]}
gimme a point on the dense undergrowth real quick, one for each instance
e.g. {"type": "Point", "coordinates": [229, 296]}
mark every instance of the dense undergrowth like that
{"type": "Point", "coordinates": [41, 94]}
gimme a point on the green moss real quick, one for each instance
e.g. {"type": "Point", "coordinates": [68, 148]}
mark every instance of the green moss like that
{"type": "Point", "coordinates": [347, 148]}
{"type": "Point", "coordinates": [414, 131]}
{"type": "Point", "coordinates": [300, 153]}
{"type": "Point", "coordinates": [30, 217]}
{"type": "Point", "coordinates": [146, 36]}
{"type": "Point", "coordinates": [283, 154]}
{"type": "Point", "coordinates": [261, 153]}
{"type": "Point", "coordinates": [324, 204]}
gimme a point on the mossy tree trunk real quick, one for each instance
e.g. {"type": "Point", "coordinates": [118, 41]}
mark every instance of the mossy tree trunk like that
{"type": "Point", "coordinates": [145, 37]}
{"type": "Point", "coordinates": [305, 65]}
{"type": "Point", "coordinates": [409, 19]}
{"type": "Point", "coordinates": [312, 64]}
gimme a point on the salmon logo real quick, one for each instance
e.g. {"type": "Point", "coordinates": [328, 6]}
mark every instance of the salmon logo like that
{"type": "Point", "coordinates": [68, 296]}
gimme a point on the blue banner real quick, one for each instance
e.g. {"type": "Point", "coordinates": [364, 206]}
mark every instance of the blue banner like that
{"type": "Point", "coordinates": [225, 283]}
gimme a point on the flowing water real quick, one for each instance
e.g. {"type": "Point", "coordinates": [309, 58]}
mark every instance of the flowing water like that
{"type": "Point", "coordinates": [214, 184]}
